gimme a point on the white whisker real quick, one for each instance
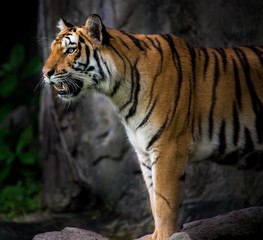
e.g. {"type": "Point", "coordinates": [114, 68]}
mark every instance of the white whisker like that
{"type": "Point", "coordinates": [40, 84]}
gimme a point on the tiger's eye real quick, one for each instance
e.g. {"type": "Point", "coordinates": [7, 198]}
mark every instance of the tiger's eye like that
{"type": "Point", "coordinates": [71, 50]}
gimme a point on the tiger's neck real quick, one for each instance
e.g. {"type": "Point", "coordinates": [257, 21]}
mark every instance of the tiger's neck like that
{"type": "Point", "coordinates": [128, 82]}
{"type": "Point", "coordinates": [146, 84]}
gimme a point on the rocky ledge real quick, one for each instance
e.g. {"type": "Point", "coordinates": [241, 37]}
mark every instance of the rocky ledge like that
{"type": "Point", "coordinates": [70, 234]}
{"type": "Point", "coordinates": [241, 224]}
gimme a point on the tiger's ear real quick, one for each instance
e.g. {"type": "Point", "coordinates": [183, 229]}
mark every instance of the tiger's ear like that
{"type": "Point", "coordinates": [63, 25]}
{"type": "Point", "coordinates": [96, 29]}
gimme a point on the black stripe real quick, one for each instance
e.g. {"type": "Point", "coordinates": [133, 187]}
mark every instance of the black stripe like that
{"type": "Point", "coordinates": [182, 178]}
{"type": "Point", "coordinates": [155, 160]}
{"type": "Point", "coordinates": [158, 133]}
{"type": "Point", "coordinates": [124, 43]}
{"type": "Point", "coordinates": [86, 64]}
{"type": "Point", "coordinates": [107, 67]}
{"type": "Point", "coordinates": [249, 146]}
{"type": "Point", "coordinates": [145, 120]}
{"type": "Point", "coordinates": [81, 39]}
{"type": "Point", "coordinates": [246, 68]}
{"type": "Point", "coordinates": [131, 77]}
{"type": "Point", "coordinates": [131, 91]}
{"type": "Point", "coordinates": [84, 37]}
{"type": "Point", "coordinates": [258, 53]}
{"type": "Point", "coordinates": [120, 56]}
{"type": "Point", "coordinates": [192, 81]}
{"type": "Point", "coordinates": [200, 126]}
{"type": "Point", "coordinates": [135, 40]}
{"type": "Point", "coordinates": [155, 46]}
{"type": "Point", "coordinates": [115, 88]}
{"type": "Point", "coordinates": [151, 41]}
{"type": "Point", "coordinates": [72, 43]}
{"type": "Point", "coordinates": [257, 104]}
{"type": "Point", "coordinates": [118, 83]}
{"type": "Point", "coordinates": [237, 84]}
{"type": "Point", "coordinates": [133, 108]}
{"type": "Point", "coordinates": [193, 61]}
{"type": "Point", "coordinates": [206, 61]}
{"type": "Point", "coordinates": [79, 52]}
{"type": "Point", "coordinates": [96, 57]}
{"type": "Point", "coordinates": [259, 123]}
{"type": "Point", "coordinates": [87, 55]}
{"type": "Point", "coordinates": [61, 37]}
{"type": "Point", "coordinates": [159, 70]}
{"type": "Point", "coordinates": [222, 138]}
{"type": "Point", "coordinates": [177, 65]}
{"type": "Point", "coordinates": [146, 166]}
{"type": "Point", "coordinates": [236, 125]}
{"type": "Point", "coordinates": [169, 40]}
{"type": "Point", "coordinates": [216, 77]}
{"type": "Point", "coordinates": [164, 198]}
{"type": "Point", "coordinates": [222, 53]}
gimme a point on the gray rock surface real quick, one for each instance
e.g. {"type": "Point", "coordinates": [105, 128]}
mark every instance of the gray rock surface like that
{"type": "Point", "coordinates": [180, 236]}
{"type": "Point", "coordinates": [242, 224]}
{"type": "Point", "coordinates": [70, 234]}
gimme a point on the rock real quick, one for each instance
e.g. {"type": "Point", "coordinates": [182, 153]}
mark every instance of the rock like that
{"type": "Point", "coordinates": [70, 234]}
{"type": "Point", "coordinates": [241, 224]}
{"type": "Point", "coordinates": [144, 237]}
{"type": "Point", "coordinates": [180, 236]}
{"type": "Point", "coordinates": [219, 188]}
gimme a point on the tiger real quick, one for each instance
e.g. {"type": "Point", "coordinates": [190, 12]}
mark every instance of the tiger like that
{"type": "Point", "coordinates": [178, 103]}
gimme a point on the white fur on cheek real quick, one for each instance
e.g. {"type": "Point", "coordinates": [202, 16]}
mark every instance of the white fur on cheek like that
{"type": "Point", "coordinates": [71, 40]}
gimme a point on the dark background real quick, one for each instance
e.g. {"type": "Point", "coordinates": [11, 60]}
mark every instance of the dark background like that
{"type": "Point", "coordinates": [86, 164]}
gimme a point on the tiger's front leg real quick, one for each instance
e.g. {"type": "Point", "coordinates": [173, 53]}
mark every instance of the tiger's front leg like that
{"type": "Point", "coordinates": [168, 169]}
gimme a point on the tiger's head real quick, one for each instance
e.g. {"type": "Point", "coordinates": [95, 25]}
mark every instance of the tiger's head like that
{"type": "Point", "coordinates": [76, 63]}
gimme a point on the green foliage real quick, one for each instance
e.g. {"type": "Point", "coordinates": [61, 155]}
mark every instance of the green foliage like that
{"type": "Point", "coordinates": [32, 67]}
{"type": "Point", "coordinates": [19, 155]}
{"type": "Point", "coordinates": [8, 85]}
{"type": "Point", "coordinates": [19, 199]}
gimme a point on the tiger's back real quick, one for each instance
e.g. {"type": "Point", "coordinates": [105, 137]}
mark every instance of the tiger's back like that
{"type": "Point", "coordinates": [228, 109]}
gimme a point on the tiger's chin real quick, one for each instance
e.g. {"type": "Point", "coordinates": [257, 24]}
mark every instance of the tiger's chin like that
{"type": "Point", "coordinates": [69, 90]}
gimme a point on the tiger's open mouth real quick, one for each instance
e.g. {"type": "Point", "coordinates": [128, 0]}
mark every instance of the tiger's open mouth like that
{"type": "Point", "coordinates": [68, 88]}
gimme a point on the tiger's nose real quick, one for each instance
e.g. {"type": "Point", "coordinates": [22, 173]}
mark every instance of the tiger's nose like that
{"type": "Point", "coordinates": [48, 72]}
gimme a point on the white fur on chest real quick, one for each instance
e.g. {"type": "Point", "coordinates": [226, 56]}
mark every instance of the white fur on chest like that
{"type": "Point", "coordinates": [139, 138]}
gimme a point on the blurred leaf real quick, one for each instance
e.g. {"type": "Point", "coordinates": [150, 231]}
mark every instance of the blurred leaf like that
{"type": "Point", "coordinates": [8, 85]}
{"type": "Point", "coordinates": [24, 139]}
{"type": "Point", "coordinates": [5, 110]}
{"type": "Point", "coordinates": [5, 153]}
{"type": "Point", "coordinates": [3, 133]}
{"type": "Point", "coordinates": [7, 67]}
{"type": "Point", "coordinates": [27, 158]}
{"type": "Point", "coordinates": [4, 173]}
{"type": "Point", "coordinates": [19, 199]}
{"type": "Point", "coordinates": [16, 56]}
{"type": "Point", "coordinates": [32, 67]}
{"type": "Point", "coordinates": [2, 73]}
